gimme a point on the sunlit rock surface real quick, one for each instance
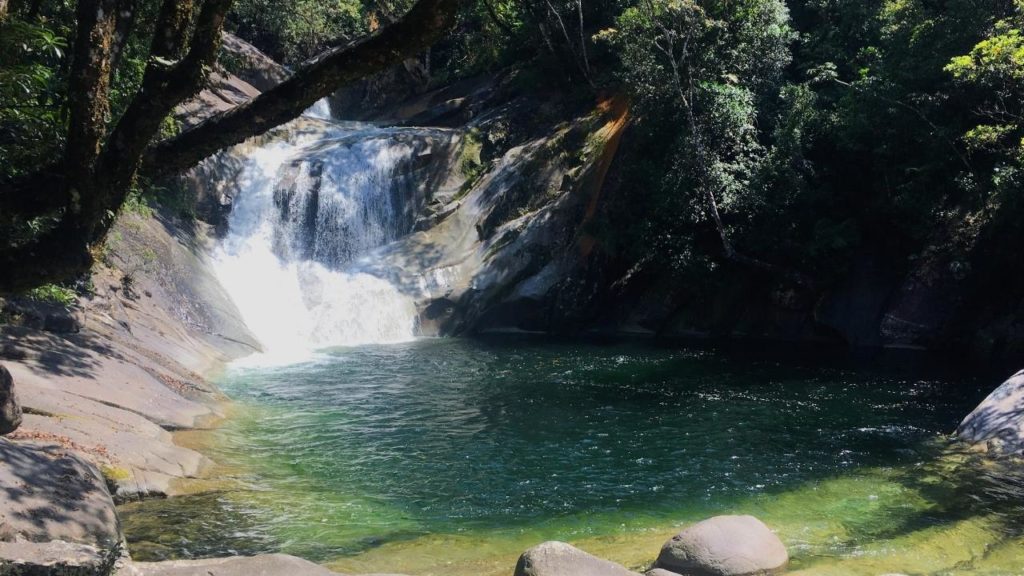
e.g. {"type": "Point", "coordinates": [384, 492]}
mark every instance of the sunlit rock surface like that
{"type": "Point", "coordinates": [998, 422]}
{"type": "Point", "coordinates": [55, 512]}
{"type": "Point", "coordinates": [561, 559]}
{"type": "Point", "coordinates": [724, 546]}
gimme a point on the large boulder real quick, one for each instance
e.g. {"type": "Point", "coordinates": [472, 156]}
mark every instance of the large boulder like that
{"type": "Point", "coordinates": [56, 515]}
{"type": "Point", "coordinates": [10, 409]}
{"type": "Point", "coordinates": [997, 424]}
{"type": "Point", "coordinates": [724, 546]}
{"type": "Point", "coordinates": [561, 559]}
{"type": "Point", "coordinates": [248, 63]}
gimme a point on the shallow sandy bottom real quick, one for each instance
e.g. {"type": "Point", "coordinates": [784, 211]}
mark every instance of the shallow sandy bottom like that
{"type": "Point", "coordinates": [819, 545]}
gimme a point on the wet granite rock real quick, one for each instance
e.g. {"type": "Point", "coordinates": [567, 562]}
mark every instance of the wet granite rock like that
{"type": "Point", "coordinates": [997, 424]}
{"type": "Point", "coordinates": [724, 546]}
{"type": "Point", "coordinates": [561, 559]}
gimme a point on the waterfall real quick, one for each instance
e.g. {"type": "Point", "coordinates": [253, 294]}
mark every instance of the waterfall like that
{"type": "Point", "coordinates": [321, 110]}
{"type": "Point", "coordinates": [309, 208]}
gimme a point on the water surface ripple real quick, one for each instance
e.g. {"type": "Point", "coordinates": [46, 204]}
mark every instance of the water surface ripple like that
{"type": "Point", "coordinates": [375, 446]}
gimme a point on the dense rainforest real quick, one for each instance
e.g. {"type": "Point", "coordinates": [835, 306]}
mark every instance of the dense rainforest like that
{"type": "Point", "coordinates": [789, 145]}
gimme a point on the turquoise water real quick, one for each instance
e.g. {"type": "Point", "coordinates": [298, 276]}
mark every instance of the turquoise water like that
{"type": "Point", "coordinates": [476, 449]}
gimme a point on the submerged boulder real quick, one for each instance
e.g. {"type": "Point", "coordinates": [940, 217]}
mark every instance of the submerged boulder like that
{"type": "Point", "coordinates": [10, 409]}
{"type": "Point", "coordinates": [561, 559]}
{"type": "Point", "coordinates": [997, 424]}
{"type": "Point", "coordinates": [724, 546]}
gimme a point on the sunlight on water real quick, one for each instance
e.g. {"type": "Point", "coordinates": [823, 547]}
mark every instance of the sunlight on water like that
{"type": "Point", "coordinates": [321, 110]}
{"type": "Point", "coordinates": [452, 457]}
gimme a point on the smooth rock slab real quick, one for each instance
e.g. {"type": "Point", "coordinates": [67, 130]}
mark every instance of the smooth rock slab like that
{"type": "Point", "coordinates": [10, 409]}
{"type": "Point", "coordinates": [660, 572]}
{"type": "Point", "coordinates": [561, 559]}
{"type": "Point", "coordinates": [724, 546]}
{"type": "Point", "coordinates": [22, 558]}
{"type": "Point", "coordinates": [998, 422]}
{"type": "Point", "coordinates": [268, 565]}
{"type": "Point", "coordinates": [48, 493]}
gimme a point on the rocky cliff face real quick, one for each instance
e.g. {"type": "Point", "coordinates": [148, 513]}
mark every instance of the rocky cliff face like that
{"type": "Point", "coordinates": [507, 251]}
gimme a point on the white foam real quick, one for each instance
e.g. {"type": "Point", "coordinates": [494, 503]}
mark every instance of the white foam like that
{"type": "Point", "coordinates": [293, 303]}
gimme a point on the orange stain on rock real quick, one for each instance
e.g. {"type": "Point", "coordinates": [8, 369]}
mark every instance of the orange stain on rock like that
{"type": "Point", "coordinates": [617, 109]}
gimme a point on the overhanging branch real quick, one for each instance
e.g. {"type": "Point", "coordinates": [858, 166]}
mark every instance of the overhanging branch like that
{"type": "Point", "coordinates": [317, 78]}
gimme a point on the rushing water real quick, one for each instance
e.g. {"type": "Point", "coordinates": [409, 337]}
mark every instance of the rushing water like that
{"type": "Point", "coordinates": [450, 457]}
{"type": "Point", "coordinates": [310, 207]}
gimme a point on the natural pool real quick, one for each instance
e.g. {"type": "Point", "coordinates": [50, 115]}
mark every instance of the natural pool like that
{"type": "Point", "coordinates": [453, 456]}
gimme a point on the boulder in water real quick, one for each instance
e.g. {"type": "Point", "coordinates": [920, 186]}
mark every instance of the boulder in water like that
{"type": "Point", "coordinates": [724, 546]}
{"type": "Point", "coordinates": [10, 409]}
{"type": "Point", "coordinates": [561, 559]}
{"type": "Point", "coordinates": [997, 424]}
{"type": "Point", "coordinates": [660, 572]}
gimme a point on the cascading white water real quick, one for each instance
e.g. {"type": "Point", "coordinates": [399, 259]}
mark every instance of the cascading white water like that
{"type": "Point", "coordinates": [308, 209]}
{"type": "Point", "coordinates": [321, 110]}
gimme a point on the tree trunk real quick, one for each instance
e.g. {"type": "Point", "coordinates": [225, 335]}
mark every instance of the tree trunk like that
{"type": "Point", "coordinates": [88, 96]}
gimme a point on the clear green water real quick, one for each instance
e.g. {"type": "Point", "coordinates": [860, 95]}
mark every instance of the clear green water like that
{"type": "Point", "coordinates": [452, 456]}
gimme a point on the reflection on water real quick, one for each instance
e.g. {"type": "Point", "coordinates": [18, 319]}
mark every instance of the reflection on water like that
{"type": "Point", "coordinates": [451, 457]}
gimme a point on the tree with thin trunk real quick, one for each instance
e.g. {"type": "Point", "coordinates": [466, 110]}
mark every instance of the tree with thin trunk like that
{"type": "Point", "coordinates": [681, 48]}
{"type": "Point", "coordinates": [82, 192]}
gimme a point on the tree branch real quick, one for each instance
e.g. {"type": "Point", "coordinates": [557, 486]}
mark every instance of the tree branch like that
{"type": "Point", "coordinates": [317, 78]}
{"type": "Point", "coordinates": [164, 86]}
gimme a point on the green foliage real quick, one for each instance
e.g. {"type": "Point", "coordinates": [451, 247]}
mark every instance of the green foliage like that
{"type": "Point", "coordinates": [470, 162]}
{"type": "Point", "coordinates": [34, 60]}
{"type": "Point", "coordinates": [704, 74]}
{"type": "Point", "coordinates": [31, 94]}
{"type": "Point", "coordinates": [52, 294]}
{"type": "Point", "coordinates": [995, 68]}
{"type": "Point", "coordinates": [996, 60]}
{"type": "Point", "coordinates": [869, 132]}
{"type": "Point", "coordinates": [293, 31]}
{"type": "Point", "coordinates": [137, 203]}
